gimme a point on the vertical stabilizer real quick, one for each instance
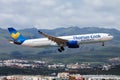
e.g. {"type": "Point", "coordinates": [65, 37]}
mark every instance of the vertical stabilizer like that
{"type": "Point", "coordinates": [16, 36]}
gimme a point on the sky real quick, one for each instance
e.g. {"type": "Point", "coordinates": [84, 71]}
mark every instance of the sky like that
{"type": "Point", "coordinates": [50, 14]}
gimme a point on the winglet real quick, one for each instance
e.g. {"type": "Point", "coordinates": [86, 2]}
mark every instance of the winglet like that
{"type": "Point", "coordinates": [40, 32]}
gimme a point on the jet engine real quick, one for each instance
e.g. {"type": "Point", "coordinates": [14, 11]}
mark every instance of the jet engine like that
{"type": "Point", "coordinates": [72, 44]}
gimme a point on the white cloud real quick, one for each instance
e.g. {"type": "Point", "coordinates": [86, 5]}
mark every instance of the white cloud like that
{"type": "Point", "coordinates": [56, 13]}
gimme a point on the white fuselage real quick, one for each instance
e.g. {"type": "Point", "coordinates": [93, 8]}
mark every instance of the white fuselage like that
{"type": "Point", "coordinates": [81, 39]}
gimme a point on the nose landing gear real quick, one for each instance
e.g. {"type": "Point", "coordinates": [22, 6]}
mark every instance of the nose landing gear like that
{"type": "Point", "coordinates": [103, 44]}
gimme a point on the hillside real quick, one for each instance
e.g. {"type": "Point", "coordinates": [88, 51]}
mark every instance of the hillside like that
{"type": "Point", "coordinates": [93, 53]}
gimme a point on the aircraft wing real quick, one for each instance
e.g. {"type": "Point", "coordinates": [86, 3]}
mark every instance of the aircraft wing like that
{"type": "Point", "coordinates": [59, 41]}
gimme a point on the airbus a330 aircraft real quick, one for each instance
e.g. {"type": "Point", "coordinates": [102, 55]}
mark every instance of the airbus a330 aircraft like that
{"type": "Point", "coordinates": [72, 41]}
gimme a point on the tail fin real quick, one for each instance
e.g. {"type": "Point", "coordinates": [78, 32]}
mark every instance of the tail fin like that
{"type": "Point", "coordinates": [16, 36]}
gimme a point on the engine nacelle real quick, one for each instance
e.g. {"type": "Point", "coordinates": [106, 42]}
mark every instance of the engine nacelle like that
{"type": "Point", "coordinates": [72, 44]}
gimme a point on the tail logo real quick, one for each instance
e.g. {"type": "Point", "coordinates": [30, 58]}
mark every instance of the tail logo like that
{"type": "Point", "coordinates": [15, 35]}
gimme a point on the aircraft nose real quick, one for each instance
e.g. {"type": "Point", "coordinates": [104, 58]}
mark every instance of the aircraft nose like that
{"type": "Point", "coordinates": [111, 37]}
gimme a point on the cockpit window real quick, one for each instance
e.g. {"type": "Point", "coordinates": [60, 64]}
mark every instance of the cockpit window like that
{"type": "Point", "coordinates": [109, 35]}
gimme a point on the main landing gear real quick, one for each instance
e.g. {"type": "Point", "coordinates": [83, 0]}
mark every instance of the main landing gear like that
{"type": "Point", "coordinates": [61, 49]}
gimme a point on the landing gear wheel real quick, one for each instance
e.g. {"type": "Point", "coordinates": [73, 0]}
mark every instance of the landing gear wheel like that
{"type": "Point", "coordinates": [103, 44]}
{"type": "Point", "coordinates": [62, 48]}
{"type": "Point", "coordinates": [59, 50]}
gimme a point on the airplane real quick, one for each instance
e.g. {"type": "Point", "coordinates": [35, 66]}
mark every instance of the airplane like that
{"type": "Point", "coordinates": [72, 41]}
